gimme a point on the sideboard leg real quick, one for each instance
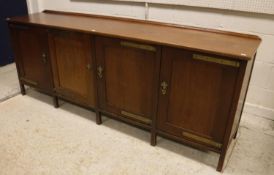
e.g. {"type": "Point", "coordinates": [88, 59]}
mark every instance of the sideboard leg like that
{"type": "Point", "coordinates": [235, 135]}
{"type": "Point", "coordinates": [98, 118]}
{"type": "Point", "coordinates": [55, 102]}
{"type": "Point", "coordinates": [153, 139]}
{"type": "Point", "coordinates": [221, 161]}
{"type": "Point", "coordinates": [22, 88]}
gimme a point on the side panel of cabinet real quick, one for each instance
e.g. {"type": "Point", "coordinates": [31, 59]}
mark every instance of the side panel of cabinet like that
{"type": "Point", "coordinates": [31, 56]}
{"type": "Point", "coordinates": [198, 97]}
{"type": "Point", "coordinates": [128, 84]}
{"type": "Point", "coordinates": [73, 66]}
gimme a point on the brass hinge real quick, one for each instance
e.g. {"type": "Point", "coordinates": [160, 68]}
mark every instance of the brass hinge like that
{"type": "Point", "coordinates": [20, 27]}
{"type": "Point", "coordinates": [201, 139]}
{"type": "Point", "coordinates": [136, 117]}
{"type": "Point", "coordinates": [138, 46]}
{"type": "Point", "coordinates": [216, 60]}
{"type": "Point", "coordinates": [29, 81]}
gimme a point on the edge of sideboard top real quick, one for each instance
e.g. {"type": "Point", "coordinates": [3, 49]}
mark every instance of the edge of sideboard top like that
{"type": "Point", "coordinates": [225, 43]}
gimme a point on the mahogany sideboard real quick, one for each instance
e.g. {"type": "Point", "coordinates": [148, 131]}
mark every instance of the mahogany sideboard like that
{"type": "Point", "coordinates": [184, 83]}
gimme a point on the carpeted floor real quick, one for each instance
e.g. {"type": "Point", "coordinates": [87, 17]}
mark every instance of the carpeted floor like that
{"type": "Point", "coordinates": [9, 85]}
{"type": "Point", "coordinates": [37, 139]}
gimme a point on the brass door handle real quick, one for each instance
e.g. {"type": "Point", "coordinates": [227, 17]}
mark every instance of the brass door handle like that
{"type": "Point", "coordinates": [44, 58]}
{"type": "Point", "coordinates": [164, 86]}
{"type": "Point", "coordinates": [100, 72]}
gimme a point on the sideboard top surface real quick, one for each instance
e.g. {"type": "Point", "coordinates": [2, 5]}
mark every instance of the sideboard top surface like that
{"type": "Point", "coordinates": [230, 44]}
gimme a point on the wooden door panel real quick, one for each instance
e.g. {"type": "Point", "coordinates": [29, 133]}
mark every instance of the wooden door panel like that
{"type": "Point", "coordinates": [199, 95]}
{"type": "Point", "coordinates": [32, 55]}
{"type": "Point", "coordinates": [72, 60]}
{"type": "Point", "coordinates": [126, 80]}
{"type": "Point", "coordinates": [129, 81]}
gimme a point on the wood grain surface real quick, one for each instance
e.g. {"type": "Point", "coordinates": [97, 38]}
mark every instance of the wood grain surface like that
{"type": "Point", "coordinates": [238, 46]}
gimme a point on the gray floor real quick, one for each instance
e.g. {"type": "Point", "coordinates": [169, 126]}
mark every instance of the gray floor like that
{"type": "Point", "coordinates": [36, 138]}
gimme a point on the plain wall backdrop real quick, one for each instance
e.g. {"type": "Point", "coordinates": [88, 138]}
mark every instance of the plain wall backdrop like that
{"type": "Point", "coordinates": [260, 99]}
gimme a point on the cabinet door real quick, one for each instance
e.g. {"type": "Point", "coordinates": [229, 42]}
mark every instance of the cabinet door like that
{"type": "Point", "coordinates": [72, 66]}
{"type": "Point", "coordinates": [31, 52]}
{"type": "Point", "coordinates": [195, 96]}
{"type": "Point", "coordinates": [127, 73]}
